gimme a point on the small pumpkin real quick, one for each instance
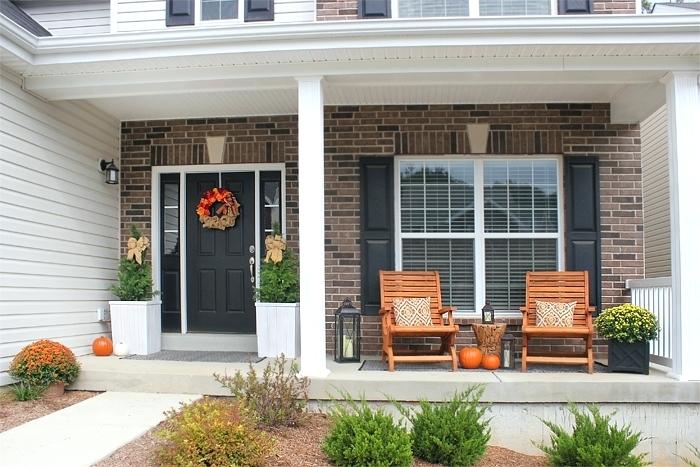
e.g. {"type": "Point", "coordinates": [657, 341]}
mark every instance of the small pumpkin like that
{"type": "Point", "coordinates": [491, 361]}
{"type": "Point", "coordinates": [470, 357]}
{"type": "Point", "coordinates": [102, 346]}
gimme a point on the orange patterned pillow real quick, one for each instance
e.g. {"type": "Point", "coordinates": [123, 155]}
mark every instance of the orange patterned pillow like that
{"type": "Point", "coordinates": [554, 314]}
{"type": "Point", "coordinates": [412, 311]}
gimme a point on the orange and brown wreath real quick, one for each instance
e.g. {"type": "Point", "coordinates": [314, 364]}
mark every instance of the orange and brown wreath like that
{"type": "Point", "coordinates": [225, 215]}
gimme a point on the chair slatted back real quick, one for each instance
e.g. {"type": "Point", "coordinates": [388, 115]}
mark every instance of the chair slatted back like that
{"type": "Point", "coordinates": [411, 284]}
{"type": "Point", "coordinates": [558, 286]}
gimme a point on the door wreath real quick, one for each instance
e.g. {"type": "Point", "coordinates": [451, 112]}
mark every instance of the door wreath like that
{"type": "Point", "coordinates": [225, 215]}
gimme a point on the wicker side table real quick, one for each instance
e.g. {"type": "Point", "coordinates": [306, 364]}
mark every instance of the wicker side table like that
{"type": "Point", "coordinates": [488, 337]}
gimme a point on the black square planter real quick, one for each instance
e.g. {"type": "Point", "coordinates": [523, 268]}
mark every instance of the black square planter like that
{"type": "Point", "coordinates": [624, 357]}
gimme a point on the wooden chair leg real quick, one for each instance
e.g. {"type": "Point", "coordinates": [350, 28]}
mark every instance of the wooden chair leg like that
{"type": "Point", "coordinates": [453, 351]}
{"type": "Point", "coordinates": [524, 360]}
{"type": "Point", "coordinates": [589, 345]}
{"type": "Point", "coordinates": [390, 357]}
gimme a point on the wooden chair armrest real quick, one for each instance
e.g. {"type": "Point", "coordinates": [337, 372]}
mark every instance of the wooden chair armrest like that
{"type": "Point", "coordinates": [523, 309]}
{"type": "Point", "coordinates": [447, 309]}
{"type": "Point", "coordinates": [592, 309]}
{"type": "Point", "coordinates": [383, 311]}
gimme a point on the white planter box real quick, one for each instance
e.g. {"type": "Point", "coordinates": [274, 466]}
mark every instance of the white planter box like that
{"type": "Point", "coordinates": [136, 324]}
{"type": "Point", "coordinates": [277, 328]}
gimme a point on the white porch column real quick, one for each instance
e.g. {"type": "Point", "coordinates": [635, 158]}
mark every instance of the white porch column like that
{"type": "Point", "coordinates": [311, 228]}
{"type": "Point", "coordinates": [683, 107]}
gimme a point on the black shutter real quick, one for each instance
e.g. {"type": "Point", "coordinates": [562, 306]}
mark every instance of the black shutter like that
{"type": "Point", "coordinates": [583, 221]}
{"type": "Point", "coordinates": [575, 7]}
{"type": "Point", "coordinates": [259, 10]}
{"type": "Point", "coordinates": [179, 12]}
{"type": "Point", "coordinates": [374, 8]}
{"type": "Point", "coordinates": [376, 226]}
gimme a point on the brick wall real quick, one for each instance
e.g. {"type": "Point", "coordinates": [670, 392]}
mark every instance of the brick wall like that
{"type": "Point", "coordinates": [355, 131]}
{"type": "Point", "coordinates": [614, 7]}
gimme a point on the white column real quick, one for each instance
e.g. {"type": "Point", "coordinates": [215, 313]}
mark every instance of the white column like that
{"type": "Point", "coordinates": [683, 107]}
{"type": "Point", "coordinates": [311, 228]}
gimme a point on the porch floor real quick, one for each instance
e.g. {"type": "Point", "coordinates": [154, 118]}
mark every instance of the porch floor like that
{"type": "Point", "coordinates": [115, 374]}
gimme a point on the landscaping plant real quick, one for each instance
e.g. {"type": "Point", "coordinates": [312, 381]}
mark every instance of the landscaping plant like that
{"type": "Point", "coordinates": [594, 442]}
{"type": "Point", "coordinates": [25, 392]}
{"type": "Point", "coordinates": [134, 279]}
{"type": "Point", "coordinates": [213, 432]}
{"type": "Point", "coordinates": [694, 452]}
{"type": "Point", "coordinates": [279, 273]}
{"type": "Point", "coordinates": [44, 362]}
{"type": "Point", "coordinates": [455, 432]}
{"type": "Point", "coordinates": [627, 323]}
{"type": "Point", "coordinates": [361, 436]}
{"type": "Point", "coordinates": [278, 398]}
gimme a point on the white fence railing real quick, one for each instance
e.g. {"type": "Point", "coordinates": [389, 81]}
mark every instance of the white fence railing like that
{"type": "Point", "coordinates": [655, 295]}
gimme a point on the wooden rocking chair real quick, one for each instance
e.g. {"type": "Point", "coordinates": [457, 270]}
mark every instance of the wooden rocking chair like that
{"type": "Point", "coordinates": [558, 286]}
{"type": "Point", "coordinates": [403, 284]}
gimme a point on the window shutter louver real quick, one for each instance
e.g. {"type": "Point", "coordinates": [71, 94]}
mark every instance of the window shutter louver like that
{"type": "Point", "coordinates": [575, 7]}
{"type": "Point", "coordinates": [583, 221]}
{"type": "Point", "coordinates": [374, 9]}
{"type": "Point", "coordinates": [259, 10]}
{"type": "Point", "coordinates": [179, 12]}
{"type": "Point", "coordinates": [376, 227]}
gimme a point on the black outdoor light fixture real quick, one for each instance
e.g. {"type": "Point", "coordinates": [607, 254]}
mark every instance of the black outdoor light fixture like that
{"type": "Point", "coordinates": [347, 333]}
{"type": "Point", "coordinates": [487, 313]}
{"type": "Point", "coordinates": [111, 171]}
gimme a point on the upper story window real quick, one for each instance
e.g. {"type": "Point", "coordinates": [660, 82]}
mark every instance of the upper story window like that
{"type": "Point", "coordinates": [219, 9]}
{"type": "Point", "coordinates": [514, 7]}
{"type": "Point", "coordinates": [453, 8]}
{"type": "Point", "coordinates": [432, 8]}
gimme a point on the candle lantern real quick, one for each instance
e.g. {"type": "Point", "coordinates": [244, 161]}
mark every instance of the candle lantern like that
{"type": "Point", "coordinates": [508, 352]}
{"type": "Point", "coordinates": [487, 313]}
{"type": "Point", "coordinates": [347, 333]}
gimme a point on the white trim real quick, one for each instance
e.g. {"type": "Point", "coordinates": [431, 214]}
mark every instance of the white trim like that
{"type": "Point", "coordinates": [183, 170]}
{"type": "Point", "coordinates": [479, 236]}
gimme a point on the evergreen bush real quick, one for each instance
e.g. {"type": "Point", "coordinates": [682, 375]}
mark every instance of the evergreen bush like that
{"type": "Point", "coordinates": [134, 280]}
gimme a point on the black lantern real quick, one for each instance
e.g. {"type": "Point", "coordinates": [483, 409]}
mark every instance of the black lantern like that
{"type": "Point", "coordinates": [347, 333]}
{"type": "Point", "coordinates": [487, 313]}
{"type": "Point", "coordinates": [111, 171]}
{"type": "Point", "coordinates": [508, 351]}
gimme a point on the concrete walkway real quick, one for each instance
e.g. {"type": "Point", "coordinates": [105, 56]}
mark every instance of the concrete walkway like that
{"type": "Point", "coordinates": [87, 432]}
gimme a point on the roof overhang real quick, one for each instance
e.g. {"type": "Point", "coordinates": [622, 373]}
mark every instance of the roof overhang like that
{"type": "Point", "coordinates": [250, 69]}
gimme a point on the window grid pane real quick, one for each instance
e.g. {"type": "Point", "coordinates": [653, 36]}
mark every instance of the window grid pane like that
{"type": "Point", "coordinates": [433, 8]}
{"type": "Point", "coordinates": [452, 258]}
{"type": "Point", "coordinates": [219, 9]}
{"type": "Point", "coordinates": [514, 7]}
{"type": "Point", "coordinates": [507, 261]}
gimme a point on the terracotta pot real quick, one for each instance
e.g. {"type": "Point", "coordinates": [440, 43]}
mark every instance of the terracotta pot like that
{"type": "Point", "coordinates": [55, 390]}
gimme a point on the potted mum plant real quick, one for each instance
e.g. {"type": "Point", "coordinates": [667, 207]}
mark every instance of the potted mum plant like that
{"type": "Point", "coordinates": [45, 366]}
{"type": "Point", "coordinates": [277, 305]}
{"type": "Point", "coordinates": [136, 315]}
{"type": "Point", "coordinates": [628, 328]}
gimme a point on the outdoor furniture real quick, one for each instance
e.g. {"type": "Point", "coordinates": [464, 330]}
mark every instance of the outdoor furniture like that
{"type": "Point", "coordinates": [488, 337]}
{"type": "Point", "coordinates": [558, 286]}
{"type": "Point", "coordinates": [402, 284]}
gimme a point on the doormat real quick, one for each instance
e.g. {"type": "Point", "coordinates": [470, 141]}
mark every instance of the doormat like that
{"type": "Point", "coordinates": [378, 365]}
{"type": "Point", "coordinates": [200, 356]}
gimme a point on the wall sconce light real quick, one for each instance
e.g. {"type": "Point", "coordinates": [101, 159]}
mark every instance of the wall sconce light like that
{"type": "Point", "coordinates": [111, 171]}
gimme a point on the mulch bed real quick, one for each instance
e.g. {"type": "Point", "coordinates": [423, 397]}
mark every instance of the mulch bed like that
{"type": "Point", "coordinates": [14, 413]}
{"type": "Point", "coordinates": [299, 447]}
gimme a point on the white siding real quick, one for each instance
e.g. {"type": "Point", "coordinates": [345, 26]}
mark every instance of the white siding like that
{"type": "Point", "coordinates": [655, 195]}
{"type": "Point", "coordinates": [70, 18]}
{"type": "Point", "coordinates": [149, 15]}
{"type": "Point", "coordinates": [59, 221]}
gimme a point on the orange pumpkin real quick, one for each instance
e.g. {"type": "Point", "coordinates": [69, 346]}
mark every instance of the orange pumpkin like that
{"type": "Point", "coordinates": [470, 357]}
{"type": "Point", "coordinates": [102, 346]}
{"type": "Point", "coordinates": [491, 361]}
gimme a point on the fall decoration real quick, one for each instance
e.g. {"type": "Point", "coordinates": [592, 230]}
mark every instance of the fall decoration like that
{"type": "Point", "coordinates": [134, 248]}
{"type": "Point", "coordinates": [225, 215]}
{"type": "Point", "coordinates": [627, 323]}
{"type": "Point", "coordinates": [44, 362]}
{"type": "Point", "coordinates": [134, 275]}
{"type": "Point", "coordinates": [470, 357]}
{"type": "Point", "coordinates": [274, 248]}
{"type": "Point", "coordinates": [102, 346]}
{"type": "Point", "coordinates": [491, 361]}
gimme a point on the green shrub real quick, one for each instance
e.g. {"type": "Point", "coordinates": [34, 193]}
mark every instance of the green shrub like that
{"type": "Point", "coordinates": [44, 362]}
{"type": "Point", "coordinates": [594, 442]}
{"type": "Point", "coordinates": [454, 432]}
{"type": "Point", "coordinates": [25, 392]}
{"type": "Point", "coordinates": [134, 280]}
{"type": "Point", "coordinates": [279, 398]}
{"type": "Point", "coordinates": [627, 323]}
{"type": "Point", "coordinates": [279, 273]}
{"type": "Point", "coordinates": [360, 436]}
{"type": "Point", "coordinates": [212, 432]}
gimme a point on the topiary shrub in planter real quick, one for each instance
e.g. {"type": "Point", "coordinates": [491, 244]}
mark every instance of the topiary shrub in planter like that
{"type": "Point", "coordinates": [628, 328]}
{"type": "Point", "coordinates": [361, 436]}
{"type": "Point", "coordinates": [451, 433]}
{"type": "Point", "coordinates": [594, 442]}
{"type": "Point", "coordinates": [213, 432]}
{"type": "Point", "coordinates": [43, 363]}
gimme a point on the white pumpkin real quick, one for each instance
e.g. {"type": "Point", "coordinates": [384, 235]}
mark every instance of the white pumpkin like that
{"type": "Point", "coordinates": [121, 349]}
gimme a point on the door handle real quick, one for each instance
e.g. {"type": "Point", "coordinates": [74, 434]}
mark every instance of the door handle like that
{"type": "Point", "coordinates": [251, 264]}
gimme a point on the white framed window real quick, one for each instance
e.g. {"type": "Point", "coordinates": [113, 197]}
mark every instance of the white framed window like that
{"type": "Point", "coordinates": [218, 12]}
{"type": "Point", "coordinates": [456, 8]}
{"type": "Point", "coordinates": [481, 222]}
